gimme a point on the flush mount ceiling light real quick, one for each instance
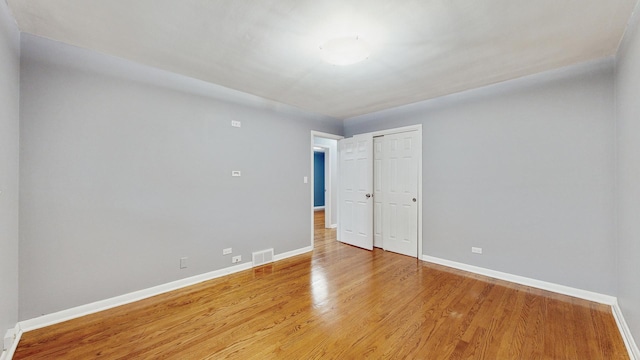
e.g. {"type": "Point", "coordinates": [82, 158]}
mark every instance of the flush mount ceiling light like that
{"type": "Point", "coordinates": [345, 50]}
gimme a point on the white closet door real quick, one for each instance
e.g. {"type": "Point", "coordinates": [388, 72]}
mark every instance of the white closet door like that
{"type": "Point", "coordinates": [356, 189]}
{"type": "Point", "coordinates": [400, 207]}
{"type": "Point", "coordinates": [378, 153]}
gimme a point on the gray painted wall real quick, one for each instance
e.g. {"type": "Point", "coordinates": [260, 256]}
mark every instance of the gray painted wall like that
{"type": "Point", "coordinates": [628, 194]}
{"type": "Point", "coordinates": [9, 147]}
{"type": "Point", "coordinates": [125, 169]}
{"type": "Point", "coordinates": [523, 169]}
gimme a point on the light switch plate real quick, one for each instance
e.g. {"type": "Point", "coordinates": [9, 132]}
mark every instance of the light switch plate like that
{"type": "Point", "coordinates": [236, 173]}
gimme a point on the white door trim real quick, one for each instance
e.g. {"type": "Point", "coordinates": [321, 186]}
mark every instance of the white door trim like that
{"type": "Point", "coordinates": [327, 183]}
{"type": "Point", "coordinates": [378, 144]}
{"type": "Point", "coordinates": [398, 130]}
{"type": "Point", "coordinates": [326, 136]}
{"type": "Point", "coordinates": [417, 128]}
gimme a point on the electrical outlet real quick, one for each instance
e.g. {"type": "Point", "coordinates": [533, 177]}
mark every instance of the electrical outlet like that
{"type": "Point", "coordinates": [183, 263]}
{"type": "Point", "coordinates": [227, 251]}
{"type": "Point", "coordinates": [476, 250]}
{"type": "Point", "coordinates": [236, 173]}
{"type": "Point", "coordinates": [236, 123]}
{"type": "Point", "coordinates": [236, 259]}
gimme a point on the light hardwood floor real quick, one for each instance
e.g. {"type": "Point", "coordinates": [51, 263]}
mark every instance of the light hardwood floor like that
{"type": "Point", "coordinates": [340, 303]}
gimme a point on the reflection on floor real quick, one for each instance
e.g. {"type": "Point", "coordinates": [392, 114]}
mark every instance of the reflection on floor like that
{"type": "Point", "coordinates": [340, 302]}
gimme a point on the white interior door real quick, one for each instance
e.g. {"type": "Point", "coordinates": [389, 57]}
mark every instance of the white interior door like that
{"type": "Point", "coordinates": [400, 193]}
{"type": "Point", "coordinates": [356, 188]}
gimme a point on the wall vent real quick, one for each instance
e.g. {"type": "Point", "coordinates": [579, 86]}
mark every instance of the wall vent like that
{"type": "Point", "coordinates": [262, 257]}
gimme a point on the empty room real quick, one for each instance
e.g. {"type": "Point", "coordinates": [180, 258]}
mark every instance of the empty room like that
{"type": "Point", "coordinates": [437, 179]}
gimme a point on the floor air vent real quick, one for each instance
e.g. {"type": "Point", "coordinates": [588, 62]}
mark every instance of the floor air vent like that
{"type": "Point", "coordinates": [262, 257]}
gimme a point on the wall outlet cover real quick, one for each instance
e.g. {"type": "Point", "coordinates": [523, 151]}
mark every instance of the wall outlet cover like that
{"type": "Point", "coordinates": [476, 250]}
{"type": "Point", "coordinates": [227, 251]}
{"type": "Point", "coordinates": [236, 259]}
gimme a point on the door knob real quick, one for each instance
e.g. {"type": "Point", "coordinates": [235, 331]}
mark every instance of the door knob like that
{"type": "Point", "coordinates": [414, 199]}
{"type": "Point", "coordinates": [368, 196]}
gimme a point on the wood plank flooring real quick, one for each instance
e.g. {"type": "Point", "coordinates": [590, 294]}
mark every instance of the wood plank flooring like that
{"type": "Point", "coordinates": [340, 303]}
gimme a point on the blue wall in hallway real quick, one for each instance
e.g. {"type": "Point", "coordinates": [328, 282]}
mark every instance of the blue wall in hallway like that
{"type": "Point", "coordinates": [318, 179]}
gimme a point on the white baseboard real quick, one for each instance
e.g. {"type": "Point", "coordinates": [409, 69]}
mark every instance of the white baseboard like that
{"type": "Point", "coordinates": [82, 310]}
{"type": "Point", "coordinates": [561, 289]}
{"type": "Point", "coordinates": [333, 226]}
{"type": "Point", "coordinates": [9, 336]}
{"type": "Point", "coordinates": [293, 253]}
{"type": "Point", "coordinates": [318, 208]}
{"type": "Point", "coordinates": [11, 340]}
{"type": "Point", "coordinates": [101, 305]}
{"type": "Point", "coordinates": [625, 332]}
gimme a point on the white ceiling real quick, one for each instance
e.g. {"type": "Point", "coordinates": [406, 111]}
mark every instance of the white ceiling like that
{"type": "Point", "coordinates": [421, 49]}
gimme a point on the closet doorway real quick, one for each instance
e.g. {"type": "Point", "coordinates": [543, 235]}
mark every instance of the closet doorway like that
{"type": "Point", "coordinates": [380, 190]}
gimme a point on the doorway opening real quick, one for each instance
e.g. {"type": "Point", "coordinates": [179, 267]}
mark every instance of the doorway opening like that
{"type": "Point", "coordinates": [324, 217]}
{"type": "Point", "coordinates": [351, 210]}
{"type": "Point", "coordinates": [319, 181]}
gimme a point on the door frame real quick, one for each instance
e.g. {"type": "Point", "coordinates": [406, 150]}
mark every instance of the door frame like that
{"type": "Point", "coordinates": [326, 151]}
{"type": "Point", "coordinates": [417, 128]}
{"type": "Point", "coordinates": [328, 195]}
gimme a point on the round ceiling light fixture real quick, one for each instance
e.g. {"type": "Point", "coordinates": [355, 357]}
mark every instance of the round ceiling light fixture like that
{"type": "Point", "coordinates": [345, 50]}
